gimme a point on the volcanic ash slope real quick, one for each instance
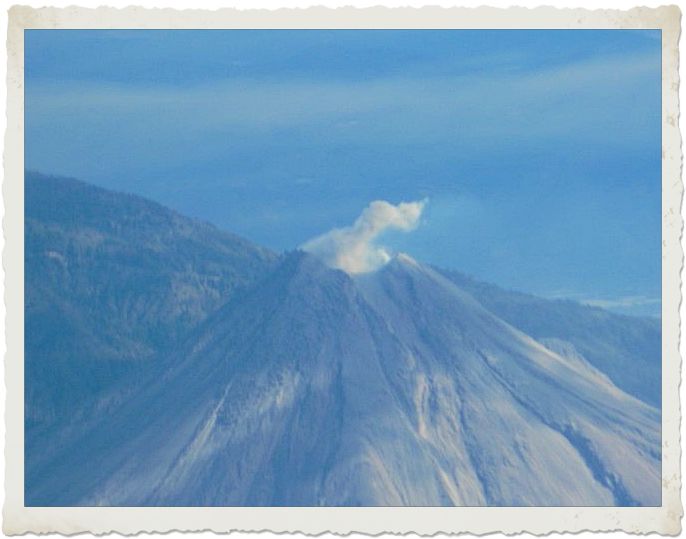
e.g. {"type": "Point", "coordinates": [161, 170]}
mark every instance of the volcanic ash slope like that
{"type": "Point", "coordinates": [388, 388]}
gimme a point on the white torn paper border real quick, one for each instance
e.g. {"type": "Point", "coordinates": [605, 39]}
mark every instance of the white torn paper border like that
{"type": "Point", "coordinates": [666, 519]}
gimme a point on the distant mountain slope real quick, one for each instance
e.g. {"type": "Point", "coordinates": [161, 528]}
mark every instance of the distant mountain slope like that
{"type": "Point", "coordinates": [111, 281]}
{"type": "Point", "coordinates": [390, 388]}
{"type": "Point", "coordinates": [628, 349]}
{"type": "Point", "coordinates": [170, 363]}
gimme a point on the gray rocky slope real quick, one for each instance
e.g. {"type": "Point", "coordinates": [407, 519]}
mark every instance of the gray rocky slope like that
{"type": "Point", "coordinates": [391, 388]}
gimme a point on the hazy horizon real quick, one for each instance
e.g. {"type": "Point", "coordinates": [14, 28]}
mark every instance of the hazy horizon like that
{"type": "Point", "coordinates": [538, 151]}
{"type": "Point", "coordinates": [373, 251]}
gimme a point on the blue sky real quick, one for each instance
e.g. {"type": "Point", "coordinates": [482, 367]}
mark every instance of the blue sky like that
{"type": "Point", "coordinates": [539, 151]}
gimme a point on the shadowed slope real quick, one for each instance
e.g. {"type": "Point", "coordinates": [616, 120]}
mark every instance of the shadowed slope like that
{"type": "Point", "coordinates": [112, 281]}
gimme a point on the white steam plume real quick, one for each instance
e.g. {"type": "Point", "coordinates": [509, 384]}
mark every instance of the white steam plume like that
{"type": "Point", "coordinates": [352, 248]}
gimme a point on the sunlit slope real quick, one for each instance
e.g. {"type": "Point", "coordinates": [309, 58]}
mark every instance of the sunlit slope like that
{"type": "Point", "coordinates": [390, 388]}
{"type": "Point", "coordinates": [627, 348]}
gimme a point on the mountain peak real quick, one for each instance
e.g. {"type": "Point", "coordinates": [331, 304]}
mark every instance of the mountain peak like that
{"type": "Point", "coordinates": [313, 386]}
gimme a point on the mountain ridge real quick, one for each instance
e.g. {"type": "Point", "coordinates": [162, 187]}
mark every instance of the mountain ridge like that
{"type": "Point", "coordinates": [614, 343]}
{"type": "Point", "coordinates": [315, 391]}
{"type": "Point", "coordinates": [304, 385]}
{"type": "Point", "coordinates": [112, 280]}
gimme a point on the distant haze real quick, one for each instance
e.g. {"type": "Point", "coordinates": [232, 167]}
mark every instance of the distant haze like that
{"type": "Point", "coordinates": [538, 150]}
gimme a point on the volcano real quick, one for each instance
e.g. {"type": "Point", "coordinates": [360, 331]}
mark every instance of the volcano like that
{"type": "Point", "coordinates": [397, 387]}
